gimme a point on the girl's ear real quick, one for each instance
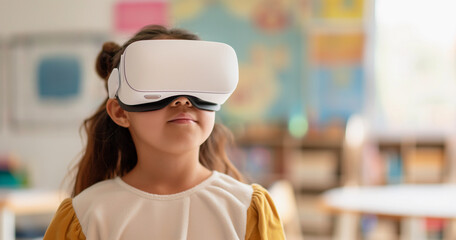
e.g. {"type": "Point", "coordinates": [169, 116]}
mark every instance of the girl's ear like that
{"type": "Point", "coordinates": [117, 114]}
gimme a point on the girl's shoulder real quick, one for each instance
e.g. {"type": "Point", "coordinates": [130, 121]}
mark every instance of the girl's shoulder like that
{"type": "Point", "coordinates": [227, 185]}
{"type": "Point", "coordinates": [262, 220]}
{"type": "Point", "coordinates": [99, 191]}
{"type": "Point", "coordinates": [98, 196]}
{"type": "Point", "coordinates": [250, 192]}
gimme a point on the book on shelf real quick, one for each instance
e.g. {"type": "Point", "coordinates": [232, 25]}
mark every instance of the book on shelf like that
{"type": "Point", "coordinates": [376, 228]}
{"type": "Point", "coordinates": [393, 166]}
{"type": "Point", "coordinates": [435, 228]}
{"type": "Point", "coordinates": [424, 165]}
{"type": "Point", "coordinates": [373, 166]}
{"type": "Point", "coordinates": [312, 169]}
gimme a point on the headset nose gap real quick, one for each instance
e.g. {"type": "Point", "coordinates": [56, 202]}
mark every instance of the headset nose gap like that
{"type": "Point", "coordinates": [181, 101]}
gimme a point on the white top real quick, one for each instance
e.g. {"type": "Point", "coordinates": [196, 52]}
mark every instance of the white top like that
{"type": "Point", "coordinates": [214, 209]}
{"type": "Point", "coordinates": [433, 200]}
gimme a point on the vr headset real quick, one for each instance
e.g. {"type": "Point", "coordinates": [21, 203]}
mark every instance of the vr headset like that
{"type": "Point", "coordinates": [152, 73]}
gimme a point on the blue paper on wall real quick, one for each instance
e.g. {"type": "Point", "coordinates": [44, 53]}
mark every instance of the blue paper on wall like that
{"type": "Point", "coordinates": [59, 77]}
{"type": "Point", "coordinates": [340, 91]}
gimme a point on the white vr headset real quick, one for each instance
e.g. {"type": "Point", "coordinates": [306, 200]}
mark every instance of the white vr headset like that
{"type": "Point", "coordinates": [152, 73]}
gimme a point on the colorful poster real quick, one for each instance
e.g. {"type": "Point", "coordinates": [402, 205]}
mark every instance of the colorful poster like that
{"type": "Point", "coordinates": [336, 47]}
{"type": "Point", "coordinates": [338, 9]}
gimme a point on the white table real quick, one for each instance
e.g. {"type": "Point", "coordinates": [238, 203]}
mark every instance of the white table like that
{"type": "Point", "coordinates": [24, 201]}
{"type": "Point", "coordinates": [404, 201]}
{"type": "Point", "coordinates": [396, 200]}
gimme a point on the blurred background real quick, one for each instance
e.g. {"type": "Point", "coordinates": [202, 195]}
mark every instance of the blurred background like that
{"type": "Point", "coordinates": [332, 94]}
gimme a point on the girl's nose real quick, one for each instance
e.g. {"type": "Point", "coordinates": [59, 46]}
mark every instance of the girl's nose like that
{"type": "Point", "coordinates": [181, 101]}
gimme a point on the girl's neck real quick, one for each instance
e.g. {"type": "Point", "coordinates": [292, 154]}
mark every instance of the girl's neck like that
{"type": "Point", "coordinates": [165, 173]}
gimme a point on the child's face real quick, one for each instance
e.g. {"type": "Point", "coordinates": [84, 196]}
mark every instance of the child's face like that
{"type": "Point", "coordinates": [177, 128]}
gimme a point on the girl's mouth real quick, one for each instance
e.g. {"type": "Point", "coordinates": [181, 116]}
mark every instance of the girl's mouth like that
{"type": "Point", "coordinates": [183, 119]}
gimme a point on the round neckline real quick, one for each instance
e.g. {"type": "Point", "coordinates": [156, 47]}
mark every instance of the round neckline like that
{"type": "Point", "coordinates": [173, 196]}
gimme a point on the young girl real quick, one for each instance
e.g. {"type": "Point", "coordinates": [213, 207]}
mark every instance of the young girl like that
{"type": "Point", "coordinates": [159, 170]}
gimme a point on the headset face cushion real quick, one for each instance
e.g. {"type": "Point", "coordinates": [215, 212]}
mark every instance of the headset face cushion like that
{"type": "Point", "coordinates": [152, 106]}
{"type": "Point", "coordinates": [153, 72]}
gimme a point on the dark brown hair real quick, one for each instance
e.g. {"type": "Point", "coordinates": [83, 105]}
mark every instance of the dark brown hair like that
{"type": "Point", "coordinates": [110, 150]}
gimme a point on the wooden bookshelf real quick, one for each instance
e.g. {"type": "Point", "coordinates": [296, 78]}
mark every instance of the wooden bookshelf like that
{"type": "Point", "coordinates": [418, 161]}
{"type": "Point", "coordinates": [409, 161]}
{"type": "Point", "coordinates": [311, 164]}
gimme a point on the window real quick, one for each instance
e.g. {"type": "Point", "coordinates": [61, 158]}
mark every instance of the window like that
{"type": "Point", "coordinates": [414, 66]}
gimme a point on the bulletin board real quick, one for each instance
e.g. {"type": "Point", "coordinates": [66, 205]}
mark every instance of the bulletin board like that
{"type": "Point", "coordinates": [52, 79]}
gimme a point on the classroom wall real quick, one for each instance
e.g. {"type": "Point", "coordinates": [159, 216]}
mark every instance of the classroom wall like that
{"type": "Point", "coordinates": [45, 152]}
{"type": "Point", "coordinates": [330, 89]}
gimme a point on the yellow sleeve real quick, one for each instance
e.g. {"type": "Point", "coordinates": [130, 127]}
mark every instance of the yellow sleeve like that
{"type": "Point", "coordinates": [65, 224]}
{"type": "Point", "coordinates": [263, 221]}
